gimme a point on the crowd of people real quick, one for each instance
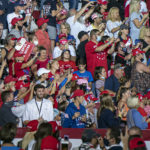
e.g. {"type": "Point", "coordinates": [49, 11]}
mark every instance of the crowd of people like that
{"type": "Point", "coordinates": [74, 67]}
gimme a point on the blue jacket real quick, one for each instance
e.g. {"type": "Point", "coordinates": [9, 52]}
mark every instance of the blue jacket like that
{"type": "Point", "coordinates": [74, 123]}
{"type": "Point", "coordinates": [107, 119]}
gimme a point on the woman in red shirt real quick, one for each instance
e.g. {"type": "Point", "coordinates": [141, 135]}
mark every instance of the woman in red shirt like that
{"type": "Point", "coordinates": [66, 63]}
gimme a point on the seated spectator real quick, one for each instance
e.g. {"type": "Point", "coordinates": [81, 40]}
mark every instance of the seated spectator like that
{"type": "Point", "coordinates": [106, 117]}
{"type": "Point", "coordinates": [134, 118]}
{"type": "Point", "coordinates": [89, 140]}
{"type": "Point", "coordinates": [65, 63]}
{"type": "Point", "coordinates": [76, 112]}
{"type": "Point", "coordinates": [100, 76]}
{"type": "Point", "coordinates": [7, 135]}
{"type": "Point", "coordinates": [112, 140]}
{"type": "Point", "coordinates": [113, 23]}
{"type": "Point", "coordinates": [6, 114]}
{"type": "Point", "coordinates": [83, 73]}
{"type": "Point", "coordinates": [38, 108]}
{"type": "Point", "coordinates": [62, 46]}
{"type": "Point", "coordinates": [112, 82]}
{"type": "Point", "coordinates": [42, 36]}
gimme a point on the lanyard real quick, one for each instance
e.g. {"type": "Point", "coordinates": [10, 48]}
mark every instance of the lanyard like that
{"type": "Point", "coordinates": [39, 109]}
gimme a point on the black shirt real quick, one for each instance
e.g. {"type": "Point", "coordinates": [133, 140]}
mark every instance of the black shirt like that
{"type": "Point", "coordinates": [6, 115]}
{"type": "Point", "coordinates": [48, 7]}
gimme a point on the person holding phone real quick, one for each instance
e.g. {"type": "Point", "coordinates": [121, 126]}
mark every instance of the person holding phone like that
{"type": "Point", "coordinates": [76, 111]}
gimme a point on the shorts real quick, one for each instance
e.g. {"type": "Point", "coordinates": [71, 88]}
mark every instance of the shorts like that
{"type": "Point", "coordinates": [51, 32]}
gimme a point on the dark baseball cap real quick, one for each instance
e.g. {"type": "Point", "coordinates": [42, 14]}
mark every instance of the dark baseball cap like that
{"type": "Point", "coordinates": [124, 26]}
{"type": "Point", "coordinates": [88, 134]}
{"type": "Point", "coordinates": [81, 33]}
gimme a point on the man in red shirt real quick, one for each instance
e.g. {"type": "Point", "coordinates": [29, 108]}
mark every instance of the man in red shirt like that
{"type": "Point", "coordinates": [94, 51]}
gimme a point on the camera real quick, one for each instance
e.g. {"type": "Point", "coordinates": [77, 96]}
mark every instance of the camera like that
{"type": "Point", "coordinates": [65, 143]}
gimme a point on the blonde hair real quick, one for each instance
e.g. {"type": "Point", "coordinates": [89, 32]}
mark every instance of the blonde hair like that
{"type": "Point", "coordinates": [111, 14]}
{"type": "Point", "coordinates": [133, 102]}
{"type": "Point", "coordinates": [133, 6]}
{"type": "Point", "coordinates": [106, 103]}
{"type": "Point", "coordinates": [143, 32]}
{"type": "Point", "coordinates": [67, 26]}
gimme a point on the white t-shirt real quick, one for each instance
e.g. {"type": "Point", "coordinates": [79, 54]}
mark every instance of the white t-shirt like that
{"type": "Point", "coordinates": [76, 28]}
{"type": "Point", "coordinates": [34, 113]}
{"type": "Point", "coordinates": [10, 17]}
{"type": "Point", "coordinates": [111, 25]}
{"type": "Point", "coordinates": [57, 52]}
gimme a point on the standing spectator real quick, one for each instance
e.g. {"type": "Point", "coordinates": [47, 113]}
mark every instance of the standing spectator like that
{"type": "Point", "coordinates": [112, 82]}
{"type": "Point", "coordinates": [42, 35]}
{"type": "Point", "coordinates": [82, 72]}
{"type": "Point", "coordinates": [99, 76]}
{"type": "Point", "coordinates": [49, 11]}
{"type": "Point", "coordinates": [113, 23]}
{"type": "Point", "coordinates": [136, 20]}
{"type": "Point", "coordinates": [134, 118]}
{"type": "Point", "coordinates": [76, 112]}
{"type": "Point", "coordinates": [83, 37]}
{"type": "Point", "coordinates": [140, 73]}
{"type": "Point", "coordinates": [106, 117]}
{"type": "Point", "coordinates": [3, 16]}
{"type": "Point", "coordinates": [6, 114]}
{"type": "Point", "coordinates": [38, 108]}
{"type": "Point", "coordinates": [96, 53]}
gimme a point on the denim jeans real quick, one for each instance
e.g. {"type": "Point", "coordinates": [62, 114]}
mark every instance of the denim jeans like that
{"type": "Point", "coordinates": [73, 4]}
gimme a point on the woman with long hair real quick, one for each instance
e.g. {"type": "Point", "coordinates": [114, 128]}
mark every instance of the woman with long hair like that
{"type": "Point", "coordinates": [113, 23]}
{"type": "Point", "coordinates": [106, 113]}
{"type": "Point", "coordinates": [137, 20]}
{"type": "Point", "coordinates": [122, 96]}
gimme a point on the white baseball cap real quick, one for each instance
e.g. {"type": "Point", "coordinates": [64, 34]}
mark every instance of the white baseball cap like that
{"type": "Point", "coordinates": [42, 71]}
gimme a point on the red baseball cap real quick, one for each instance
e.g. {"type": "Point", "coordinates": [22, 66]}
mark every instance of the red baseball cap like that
{"type": "Point", "coordinates": [21, 84]}
{"type": "Point", "coordinates": [106, 92]}
{"type": "Point", "coordinates": [62, 35]}
{"type": "Point", "coordinates": [137, 51]}
{"type": "Point", "coordinates": [33, 125]}
{"type": "Point", "coordinates": [41, 21]}
{"type": "Point", "coordinates": [102, 2]}
{"type": "Point", "coordinates": [63, 41]}
{"type": "Point", "coordinates": [75, 77]}
{"type": "Point", "coordinates": [136, 142]}
{"type": "Point", "coordinates": [49, 143]}
{"type": "Point", "coordinates": [9, 79]}
{"type": "Point", "coordinates": [15, 20]}
{"type": "Point", "coordinates": [147, 95]}
{"type": "Point", "coordinates": [54, 126]}
{"type": "Point", "coordinates": [91, 97]}
{"type": "Point", "coordinates": [77, 93]}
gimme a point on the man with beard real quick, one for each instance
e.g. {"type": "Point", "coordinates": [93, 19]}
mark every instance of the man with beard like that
{"type": "Point", "coordinates": [38, 108]}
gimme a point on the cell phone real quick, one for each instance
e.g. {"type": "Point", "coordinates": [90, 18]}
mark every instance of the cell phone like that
{"type": "Point", "coordinates": [65, 143]}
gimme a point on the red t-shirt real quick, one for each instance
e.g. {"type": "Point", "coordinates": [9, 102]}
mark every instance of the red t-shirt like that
{"type": "Point", "coordinates": [64, 65]}
{"type": "Point", "coordinates": [42, 64]}
{"type": "Point", "coordinates": [91, 56]}
{"type": "Point", "coordinates": [19, 72]}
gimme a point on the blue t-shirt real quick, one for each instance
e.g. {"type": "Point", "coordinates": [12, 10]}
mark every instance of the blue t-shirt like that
{"type": "Point", "coordinates": [10, 148]}
{"type": "Point", "coordinates": [86, 75]}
